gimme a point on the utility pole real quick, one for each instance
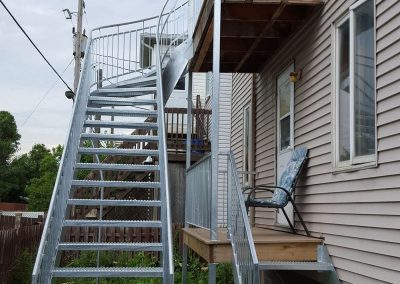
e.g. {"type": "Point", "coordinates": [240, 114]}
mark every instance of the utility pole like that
{"type": "Point", "coordinates": [77, 43]}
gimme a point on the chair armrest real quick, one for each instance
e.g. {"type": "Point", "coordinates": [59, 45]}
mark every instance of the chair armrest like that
{"type": "Point", "coordinates": [255, 189]}
{"type": "Point", "coordinates": [275, 186]}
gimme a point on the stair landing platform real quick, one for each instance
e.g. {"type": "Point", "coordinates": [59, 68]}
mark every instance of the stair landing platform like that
{"type": "Point", "coordinates": [271, 245]}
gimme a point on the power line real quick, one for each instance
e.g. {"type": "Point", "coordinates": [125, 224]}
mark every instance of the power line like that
{"type": "Point", "coordinates": [86, 19]}
{"type": "Point", "coordinates": [38, 50]}
{"type": "Point", "coordinates": [44, 96]}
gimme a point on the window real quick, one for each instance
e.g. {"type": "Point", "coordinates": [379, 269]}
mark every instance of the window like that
{"type": "Point", "coordinates": [354, 94]}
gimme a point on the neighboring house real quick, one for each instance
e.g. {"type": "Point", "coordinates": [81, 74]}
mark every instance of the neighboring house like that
{"type": "Point", "coordinates": [332, 85]}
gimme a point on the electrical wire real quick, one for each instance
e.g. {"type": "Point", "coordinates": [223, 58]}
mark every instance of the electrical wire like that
{"type": "Point", "coordinates": [34, 45]}
{"type": "Point", "coordinates": [86, 19]}
{"type": "Point", "coordinates": [45, 95]}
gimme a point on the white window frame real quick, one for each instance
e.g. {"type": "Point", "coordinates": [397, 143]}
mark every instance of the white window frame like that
{"type": "Point", "coordinates": [290, 113]}
{"type": "Point", "coordinates": [360, 161]}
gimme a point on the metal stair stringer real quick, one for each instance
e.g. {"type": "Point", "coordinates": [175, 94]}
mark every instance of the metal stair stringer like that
{"type": "Point", "coordinates": [176, 67]}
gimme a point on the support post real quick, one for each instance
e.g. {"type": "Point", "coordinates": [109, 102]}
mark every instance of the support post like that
{"type": "Point", "coordinates": [189, 80]}
{"type": "Point", "coordinates": [78, 41]}
{"type": "Point", "coordinates": [212, 273]}
{"type": "Point", "coordinates": [189, 93]}
{"type": "Point", "coordinates": [215, 119]}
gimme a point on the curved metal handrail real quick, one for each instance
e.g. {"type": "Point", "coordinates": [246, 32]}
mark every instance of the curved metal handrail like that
{"type": "Point", "coordinates": [123, 51]}
{"type": "Point", "coordinates": [163, 159]}
{"type": "Point", "coordinates": [124, 24]}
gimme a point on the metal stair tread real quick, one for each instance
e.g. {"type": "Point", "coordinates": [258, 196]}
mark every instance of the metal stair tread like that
{"type": "Point", "coordinates": [294, 265]}
{"type": "Point", "coordinates": [121, 112]}
{"type": "Point", "coordinates": [125, 90]}
{"type": "Point", "coordinates": [120, 184]}
{"type": "Point", "coordinates": [108, 272]}
{"type": "Point", "coordinates": [117, 167]}
{"type": "Point", "coordinates": [114, 202]}
{"type": "Point", "coordinates": [111, 223]}
{"type": "Point", "coordinates": [142, 80]}
{"type": "Point", "coordinates": [120, 124]}
{"type": "Point", "coordinates": [122, 100]}
{"type": "Point", "coordinates": [119, 151]}
{"type": "Point", "coordinates": [128, 246]}
{"type": "Point", "coordinates": [119, 137]}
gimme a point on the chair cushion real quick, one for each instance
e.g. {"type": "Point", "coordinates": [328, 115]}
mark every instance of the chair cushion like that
{"type": "Point", "coordinates": [289, 175]}
{"type": "Point", "coordinates": [255, 202]}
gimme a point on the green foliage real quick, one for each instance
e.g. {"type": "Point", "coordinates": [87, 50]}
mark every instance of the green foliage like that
{"type": "Point", "coordinates": [22, 269]}
{"type": "Point", "coordinates": [41, 187]}
{"type": "Point", "coordinates": [225, 273]}
{"type": "Point", "coordinates": [9, 137]}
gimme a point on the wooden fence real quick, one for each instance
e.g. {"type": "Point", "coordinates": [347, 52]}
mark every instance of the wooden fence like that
{"type": "Point", "coordinates": [14, 241]}
{"type": "Point", "coordinates": [119, 235]}
{"type": "Point", "coordinates": [5, 206]}
{"type": "Point", "coordinates": [14, 222]}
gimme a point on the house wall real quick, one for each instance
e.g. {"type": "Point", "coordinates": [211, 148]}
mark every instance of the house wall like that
{"type": "Point", "coordinates": [356, 212]}
{"type": "Point", "coordinates": [224, 143]}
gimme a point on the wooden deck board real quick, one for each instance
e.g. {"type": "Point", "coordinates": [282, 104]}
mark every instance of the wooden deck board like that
{"type": "Point", "coordinates": [258, 27]}
{"type": "Point", "coordinates": [270, 245]}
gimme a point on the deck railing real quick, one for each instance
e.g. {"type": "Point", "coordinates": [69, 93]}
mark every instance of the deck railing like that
{"type": "Point", "coordinates": [198, 194]}
{"type": "Point", "coordinates": [245, 262]}
{"type": "Point", "coordinates": [176, 121]}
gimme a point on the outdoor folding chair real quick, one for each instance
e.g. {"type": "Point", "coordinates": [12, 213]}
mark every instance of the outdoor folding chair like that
{"type": "Point", "coordinates": [282, 193]}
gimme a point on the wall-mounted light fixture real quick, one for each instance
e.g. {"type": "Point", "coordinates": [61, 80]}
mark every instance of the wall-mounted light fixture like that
{"type": "Point", "coordinates": [296, 75]}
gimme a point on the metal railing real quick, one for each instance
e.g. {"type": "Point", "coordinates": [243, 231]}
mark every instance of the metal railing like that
{"type": "Point", "coordinates": [195, 7]}
{"type": "Point", "coordinates": [198, 194]}
{"type": "Point", "coordinates": [124, 51]}
{"type": "Point", "coordinates": [171, 31]}
{"type": "Point", "coordinates": [245, 262]}
{"type": "Point", "coordinates": [46, 258]}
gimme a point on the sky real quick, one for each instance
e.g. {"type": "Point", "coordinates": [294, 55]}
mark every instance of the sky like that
{"type": "Point", "coordinates": [24, 76]}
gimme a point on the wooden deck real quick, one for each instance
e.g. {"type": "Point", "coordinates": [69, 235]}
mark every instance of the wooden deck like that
{"type": "Point", "coordinates": [270, 245]}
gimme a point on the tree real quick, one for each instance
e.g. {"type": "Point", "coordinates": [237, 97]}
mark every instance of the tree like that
{"type": "Point", "coordinates": [9, 137]}
{"type": "Point", "coordinates": [9, 141]}
{"type": "Point", "coordinates": [40, 188]}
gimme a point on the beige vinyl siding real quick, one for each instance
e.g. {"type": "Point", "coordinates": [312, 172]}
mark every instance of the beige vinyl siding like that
{"type": "Point", "coordinates": [224, 143]}
{"type": "Point", "coordinates": [241, 97]}
{"type": "Point", "coordinates": [225, 96]}
{"type": "Point", "coordinates": [357, 212]}
{"type": "Point", "coordinates": [199, 88]}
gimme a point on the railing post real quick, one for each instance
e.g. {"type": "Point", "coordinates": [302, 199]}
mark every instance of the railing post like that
{"type": "Point", "coordinates": [215, 118]}
{"type": "Point", "coordinates": [229, 194]}
{"type": "Point", "coordinates": [188, 84]}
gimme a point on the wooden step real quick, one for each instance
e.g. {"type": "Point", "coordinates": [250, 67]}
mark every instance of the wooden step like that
{"type": "Point", "coordinates": [271, 245]}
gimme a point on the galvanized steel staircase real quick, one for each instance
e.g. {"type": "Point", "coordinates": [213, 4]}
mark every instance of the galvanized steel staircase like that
{"type": "Point", "coordinates": [121, 87]}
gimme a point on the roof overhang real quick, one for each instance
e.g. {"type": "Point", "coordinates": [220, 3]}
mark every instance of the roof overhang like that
{"type": "Point", "coordinates": [251, 32]}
